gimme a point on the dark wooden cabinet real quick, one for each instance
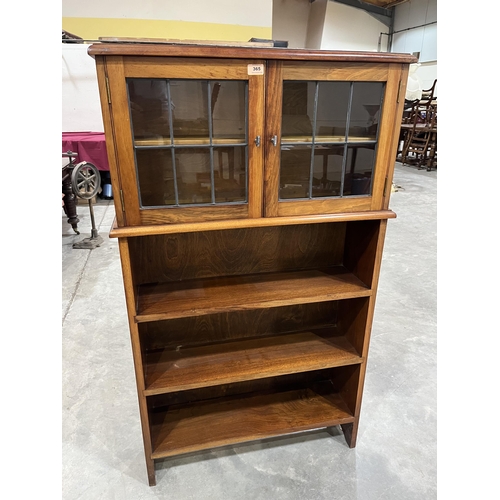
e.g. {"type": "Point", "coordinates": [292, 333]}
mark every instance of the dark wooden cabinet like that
{"type": "Point", "coordinates": [251, 189]}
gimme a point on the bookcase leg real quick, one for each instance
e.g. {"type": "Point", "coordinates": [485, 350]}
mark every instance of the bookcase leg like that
{"type": "Point", "coordinates": [150, 465]}
{"type": "Point", "coordinates": [350, 433]}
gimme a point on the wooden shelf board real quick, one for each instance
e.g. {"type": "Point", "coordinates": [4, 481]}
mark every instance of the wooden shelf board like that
{"type": "Point", "coordinates": [223, 363]}
{"type": "Point", "coordinates": [236, 293]}
{"type": "Point", "coordinates": [320, 139]}
{"type": "Point", "coordinates": [188, 141]}
{"type": "Point", "coordinates": [187, 227]}
{"type": "Point", "coordinates": [216, 423]}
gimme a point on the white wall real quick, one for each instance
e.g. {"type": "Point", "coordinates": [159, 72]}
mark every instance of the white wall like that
{"type": "Point", "coordinates": [81, 109]}
{"type": "Point", "coordinates": [418, 39]}
{"type": "Point", "coordinates": [316, 24]}
{"type": "Point", "coordinates": [325, 24]}
{"type": "Point", "coordinates": [290, 21]}
{"type": "Point", "coordinates": [349, 28]}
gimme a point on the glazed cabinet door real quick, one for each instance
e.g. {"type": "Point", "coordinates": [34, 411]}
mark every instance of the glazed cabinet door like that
{"type": "Point", "coordinates": [187, 135]}
{"type": "Point", "coordinates": [330, 136]}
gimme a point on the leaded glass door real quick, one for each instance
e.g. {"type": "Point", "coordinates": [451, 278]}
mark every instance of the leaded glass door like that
{"type": "Point", "coordinates": [327, 147]}
{"type": "Point", "coordinates": [194, 129]}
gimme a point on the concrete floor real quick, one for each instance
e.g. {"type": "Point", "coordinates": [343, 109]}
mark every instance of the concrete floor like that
{"type": "Point", "coordinates": [395, 457]}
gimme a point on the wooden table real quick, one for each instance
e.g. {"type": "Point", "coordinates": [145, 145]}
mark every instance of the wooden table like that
{"type": "Point", "coordinates": [90, 146]}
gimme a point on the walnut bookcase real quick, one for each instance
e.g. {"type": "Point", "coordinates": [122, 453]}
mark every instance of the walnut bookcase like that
{"type": "Point", "coordinates": [251, 190]}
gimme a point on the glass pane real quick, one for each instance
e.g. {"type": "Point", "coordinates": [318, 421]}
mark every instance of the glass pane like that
{"type": "Point", "coordinates": [333, 102]}
{"type": "Point", "coordinates": [149, 110]}
{"type": "Point", "coordinates": [365, 110]}
{"type": "Point", "coordinates": [298, 111]}
{"type": "Point", "coordinates": [295, 172]}
{"type": "Point", "coordinates": [230, 174]}
{"type": "Point", "coordinates": [359, 170]}
{"type": "Point", "coordinates": [228, 111]}
{"type": "Point", "coordinates": [327, 170]}
{"type": "Point", "coordinates": [156, 177]}
{"type": "Point", "coordinates": [190, 111]}
{"type": "Point", "coordinates": [194, 184]}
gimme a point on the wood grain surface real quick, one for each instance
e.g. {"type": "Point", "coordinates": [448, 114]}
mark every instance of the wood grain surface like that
{"type": "Point", "coordinates": [212, 295]}
{"type": "Point", "coordinates": [237, 325]}
{"type": "Point", "coordinates": [170, 370]}
{"type": "Point", "coordinates": [237, 420]}
{"type": "Point", "coordinates": [326, 71]}
{"type": "Point", "coordinates": [183, 227]}
{"type": "Point", "coordinates": [186, 256]}
{"type": "Point", "coordinates": [183, 50]}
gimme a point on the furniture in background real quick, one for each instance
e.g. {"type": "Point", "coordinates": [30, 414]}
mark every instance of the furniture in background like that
{"type": "Point", "coordinates": [69, 198]}
{"type": "Point", "coordinates": [86, 183]}
{"type": "Point", "coordinates": [418, 132]}
{"type": "Point", "coordinates": [90, 146]}
{"type": "Point", "coordinates": [250, 290]}
{"type": "Point", "coordinates": [430, 93]}
{"type": "Point", "coordinates": [420, 136]}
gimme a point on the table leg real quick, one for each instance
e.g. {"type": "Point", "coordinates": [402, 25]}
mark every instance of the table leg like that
{"type": "Point", "coordinates": [432, 152]}
{"type": "Point", "coordinates": [70, 203]}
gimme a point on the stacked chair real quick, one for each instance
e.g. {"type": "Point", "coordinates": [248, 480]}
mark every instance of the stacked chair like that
{"type": "Point", "coordinates": [419, 131]}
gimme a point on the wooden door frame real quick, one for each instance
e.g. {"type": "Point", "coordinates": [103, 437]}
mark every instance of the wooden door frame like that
{"type": "Point", "coordinates": [279, 71]}
{"type": "Point", "coordinates": [118, 69]}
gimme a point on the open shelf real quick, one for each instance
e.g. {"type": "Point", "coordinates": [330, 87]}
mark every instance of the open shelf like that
{"type": "Point", "coordinates": [220, 422]}
{"type": "Point", "coordinates": [171, 370]}
{"type": "Point", "coordinates": [213, 295]}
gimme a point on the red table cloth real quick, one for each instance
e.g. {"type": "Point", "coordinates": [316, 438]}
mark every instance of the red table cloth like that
{"type": "Point", "coordinates": [90, 146]}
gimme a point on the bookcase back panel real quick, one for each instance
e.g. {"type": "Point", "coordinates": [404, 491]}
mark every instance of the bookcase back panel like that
{"type": "Point", "coordinates": [271, 384]}
{"type": "Point", "coordinates": [179, 257]}
{"type": "Point", "coordinates": [361, 246]}
{"type": "Point", "coordinates": [223, 327]}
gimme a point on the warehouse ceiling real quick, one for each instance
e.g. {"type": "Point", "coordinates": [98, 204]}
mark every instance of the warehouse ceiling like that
{"type": "Point", "coordinates": [380, 9]}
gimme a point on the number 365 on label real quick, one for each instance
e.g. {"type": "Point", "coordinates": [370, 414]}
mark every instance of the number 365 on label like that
{"type": "Point", "coordinates": [255, 69]}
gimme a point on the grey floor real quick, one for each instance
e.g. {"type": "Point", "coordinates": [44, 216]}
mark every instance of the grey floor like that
{"type": "Point", "coordinates": [395, 457]}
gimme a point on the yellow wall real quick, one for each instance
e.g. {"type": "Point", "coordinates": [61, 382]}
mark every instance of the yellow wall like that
{"type": "Point", "coordinates": [92, 28]}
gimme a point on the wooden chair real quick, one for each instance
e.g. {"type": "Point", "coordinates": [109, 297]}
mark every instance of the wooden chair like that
{"type": "Point", "coordinates": [421, 136]}
{"type": "Point", "coordinates": [431, 161]}
{"type": "Point", "coordinates": [429, 94]}
{"type": "Point", "coordinates": [406, 119]}
{"type": "Point", "coordinates": [408, 110]}
{"type": "Point", "coordinates": [417, 109]}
